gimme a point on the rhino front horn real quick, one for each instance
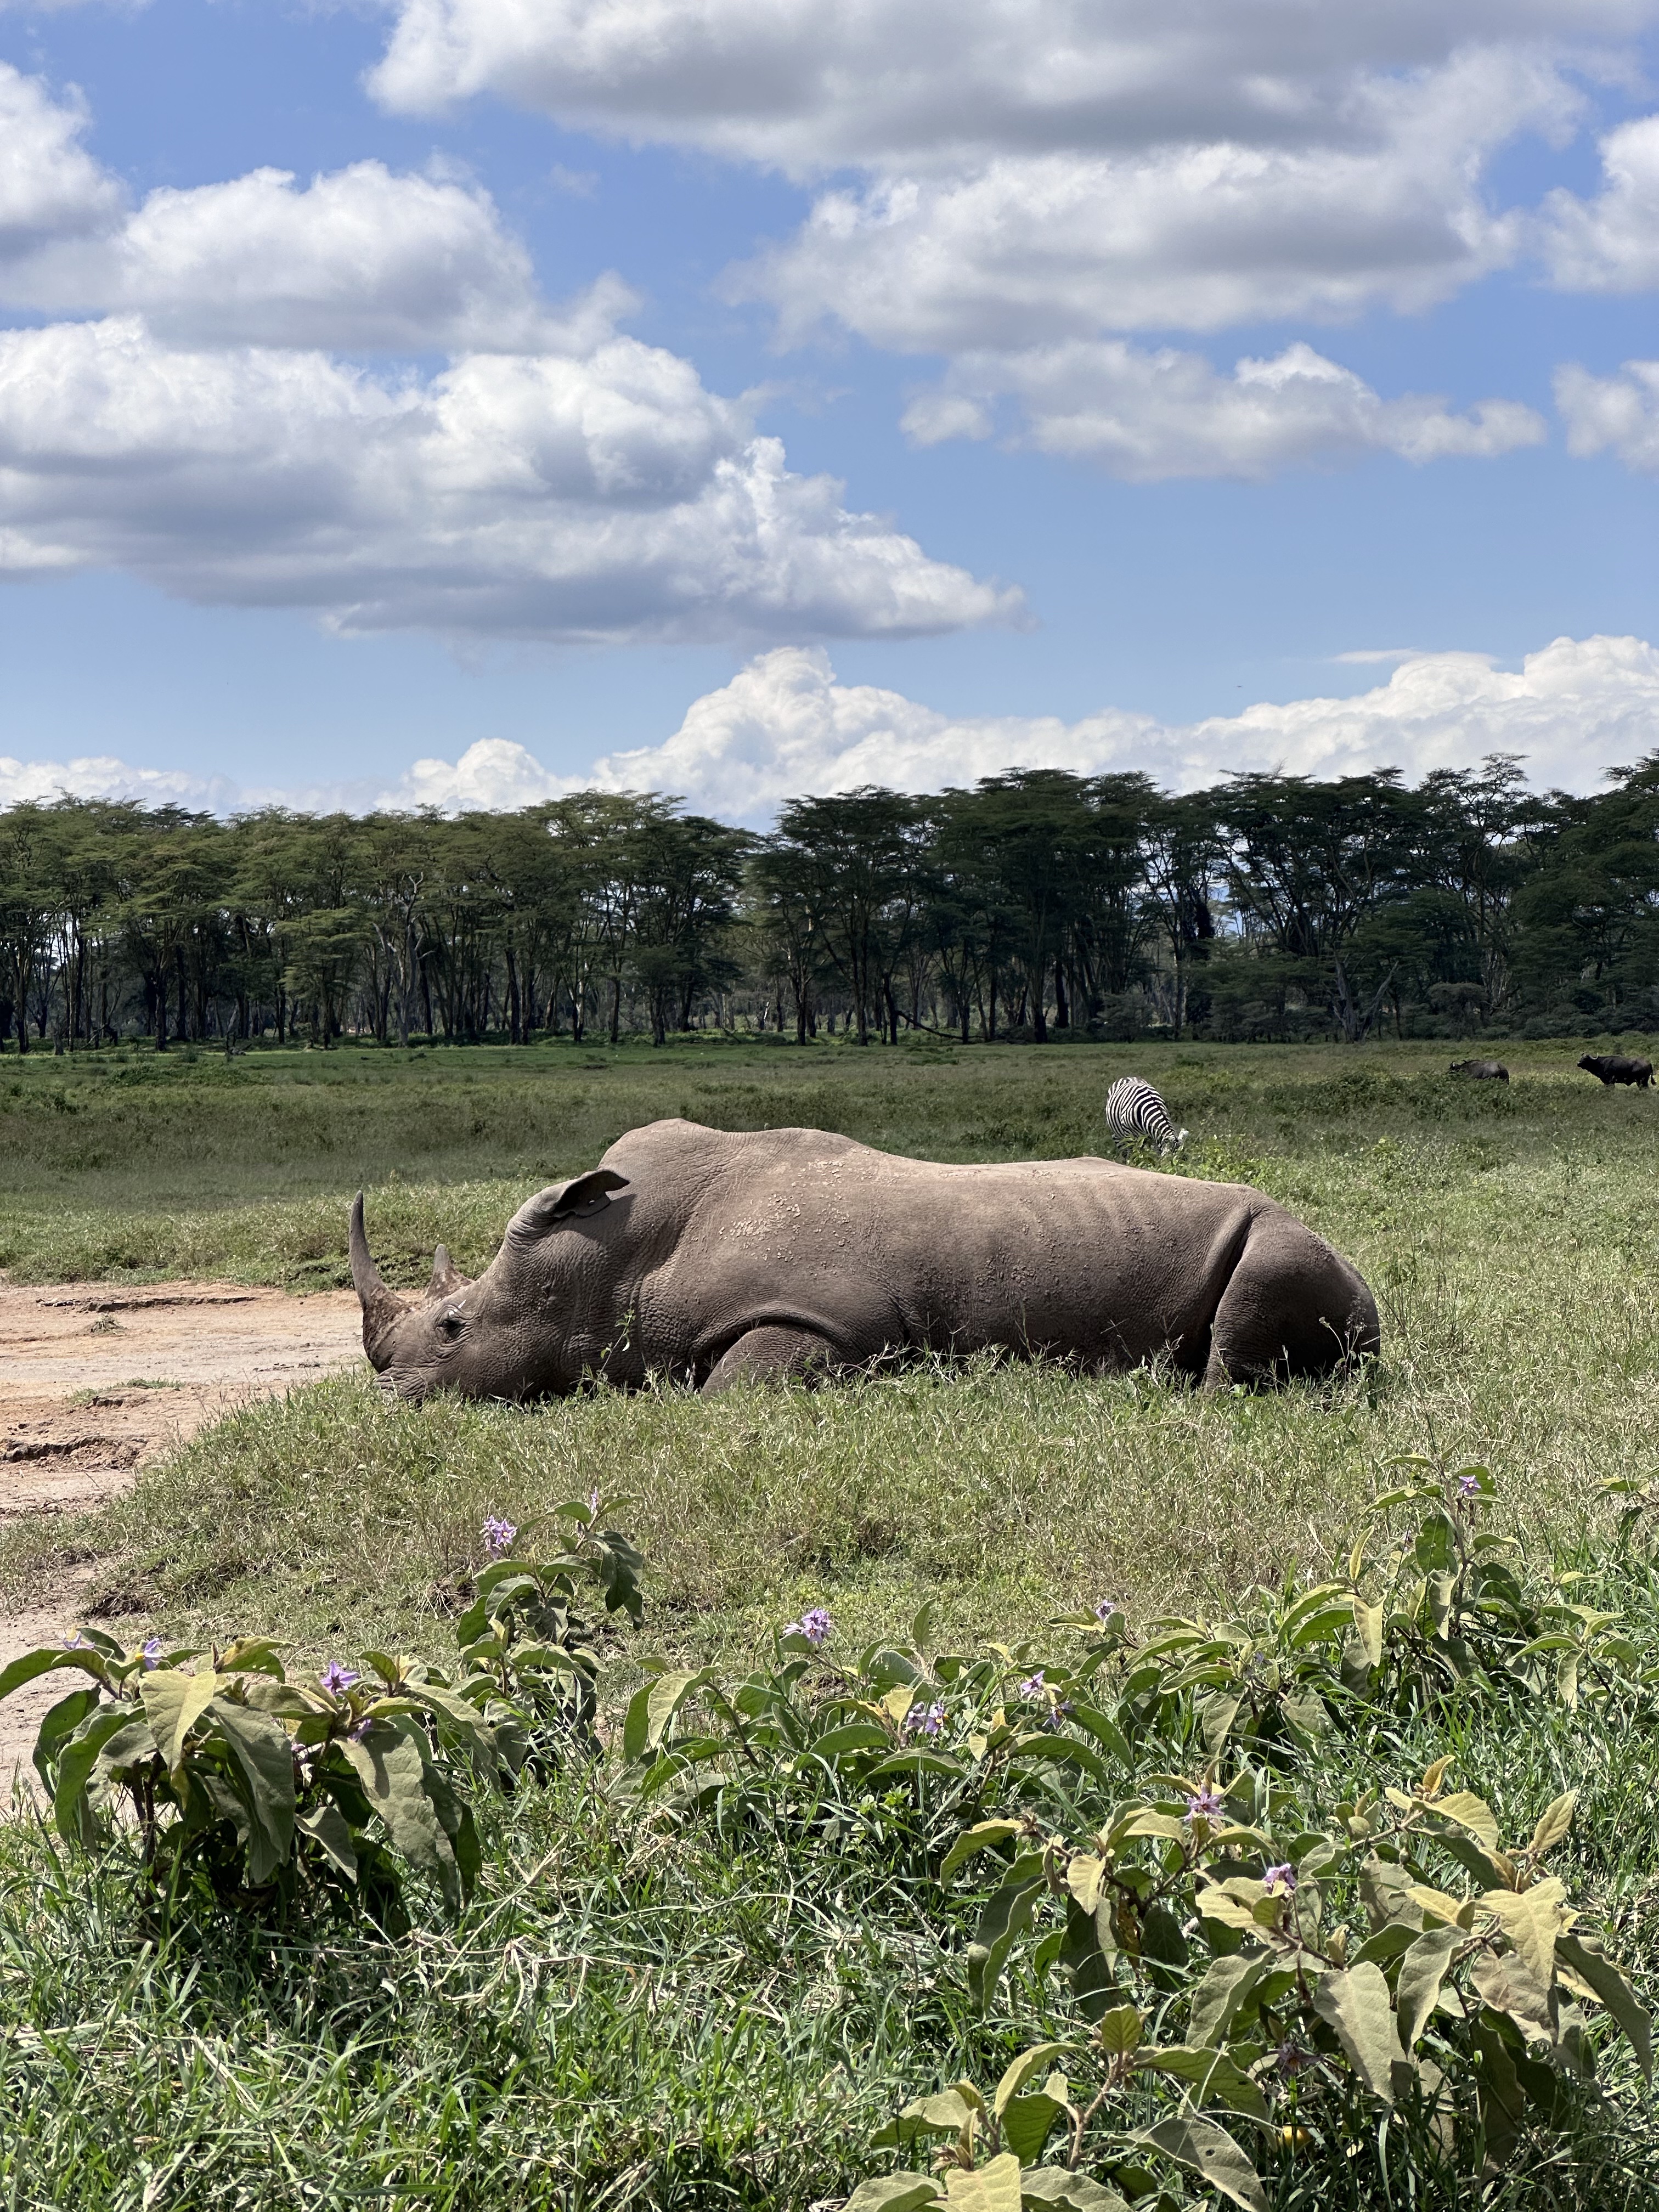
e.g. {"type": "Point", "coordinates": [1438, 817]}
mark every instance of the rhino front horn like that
{"type": "Point", "coordinates": [382, 1308]}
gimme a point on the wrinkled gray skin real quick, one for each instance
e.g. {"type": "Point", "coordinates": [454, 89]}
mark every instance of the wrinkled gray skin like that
{"type": "Point", "coordinates": [709, 1258]}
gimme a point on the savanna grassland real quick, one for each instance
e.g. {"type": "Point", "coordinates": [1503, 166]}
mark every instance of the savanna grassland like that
{"type": "Point", "coordinates": [1507, 1232]}
{"type": "Point", "coordinates": [631, 2015]}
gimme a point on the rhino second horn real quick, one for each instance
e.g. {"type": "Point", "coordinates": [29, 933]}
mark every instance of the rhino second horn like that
{"type": "Point", "coordinates": [447, 1277]}
{"type": "Point", "coordinates": [382, 1308]}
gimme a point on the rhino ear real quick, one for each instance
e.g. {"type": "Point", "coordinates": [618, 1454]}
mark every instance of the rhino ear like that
{"type": "Point", "coordinates": [583, 1193]}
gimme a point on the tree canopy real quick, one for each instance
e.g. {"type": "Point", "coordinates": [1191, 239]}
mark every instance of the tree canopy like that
{"type": "Point", "coordinates": [1036, 904]}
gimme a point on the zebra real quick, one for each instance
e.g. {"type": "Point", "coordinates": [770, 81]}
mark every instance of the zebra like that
{"type": "Point", "coordinates": [1133, 1108]}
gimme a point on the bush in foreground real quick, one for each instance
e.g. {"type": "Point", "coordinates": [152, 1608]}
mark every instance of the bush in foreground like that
{"type": "Point", "coordinates": [1214, 1907]}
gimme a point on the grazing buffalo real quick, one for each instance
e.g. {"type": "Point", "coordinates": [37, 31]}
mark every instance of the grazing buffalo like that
{"type": "Point", "coordinates": [707, 1258]}
{"type": "Point", "coordinates": [1617, 1067]}
{"type": "Point", "coordinates": [1481, 1071]}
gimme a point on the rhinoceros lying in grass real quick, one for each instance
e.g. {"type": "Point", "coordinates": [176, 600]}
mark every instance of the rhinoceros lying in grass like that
{"type": "Point", "coordinates": [709, 1257]}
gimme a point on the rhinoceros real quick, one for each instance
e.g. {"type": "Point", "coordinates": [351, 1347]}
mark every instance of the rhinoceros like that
{"type": "Point", "coordinates": [709, 1257]}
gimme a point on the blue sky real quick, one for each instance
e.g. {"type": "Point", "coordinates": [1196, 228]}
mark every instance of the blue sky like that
{"type": "Point", "coordinates": [303, 483]}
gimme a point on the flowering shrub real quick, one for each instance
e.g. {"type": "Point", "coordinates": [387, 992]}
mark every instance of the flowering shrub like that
{"type": "Point", "coordinates": [527, 1656]}
{"type": "Point", "coordinates": [1251, 1970]}
{"type": "Point", "coordinates": [265, 1784]}
{"type": "Point", "coordinates": [260, 1783]}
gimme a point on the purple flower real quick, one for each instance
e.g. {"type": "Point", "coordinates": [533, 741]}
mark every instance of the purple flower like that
{"type": "Point", "coordinates": [925, 1720]}
{"type": "Point", "coordinates": [1468, 1486]}
{"type": "Point", "coordinates": [336, 1679]}
{"type": "Point", "coordinates": [592, 1501]}
{"type": "Point", "coordinates": [150, 1651]}
{"type": "Point", "coordinates": [361, 1729]}
{"type": "Point", "coordinates": [72, 1643]}
{"type": "Point", "coordinates": [498, 1535]}
{"type": "Point", "coordinates": [1032, 1686]}
{"type": "Point", "coordinates": [814, 1624]}
{"type": "Point", "coordinates": [1104, 1611]}
{"type": "Point", "coordinates": [1280, 1880]}
{"type": "Point", "coordinates": [1203, 1805]}
{"type": "Point", "coordinates": [1290, 2058]}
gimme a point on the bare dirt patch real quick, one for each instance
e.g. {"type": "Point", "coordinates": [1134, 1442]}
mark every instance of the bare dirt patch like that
{"type": "Point", "coordinates": [95, 1381]}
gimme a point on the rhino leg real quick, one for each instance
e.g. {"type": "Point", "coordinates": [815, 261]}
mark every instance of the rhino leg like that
{"type": "Point", "coordinates": [1292, 1307]}
{"type": "Point", "coordinates": [771, 1354]}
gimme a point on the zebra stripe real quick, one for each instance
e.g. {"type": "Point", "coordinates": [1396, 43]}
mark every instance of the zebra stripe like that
{"type": "Point", "coordinates": [1133, 1108]}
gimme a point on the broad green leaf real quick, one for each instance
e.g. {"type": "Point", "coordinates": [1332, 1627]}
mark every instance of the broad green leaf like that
{"type": "Point", "coordinates": [327, 1828]}
{"type": "Point", "coordinates": [1027, 2122]}
{"type": "Point", "coordinates": [389, 1764]}
{"type": "Point", "coordinates": [1422, 1971]}
{"type": "Point", "coordinates": [991, 2188]}
{"type": "Point", "coordinates": [1216, 1716]}
{"type": "Point", "coordinates": [1064, 1750]}
{"type": "Point", "coordinates": [1509, 1985]}
{"type": "Point", "coordinates": [1055, 2189]}
{"type": "Point", "coordinates": [1104, 1730]}
{"type": "Point", "coordinates": [917, 1762]}
{"type": "Point", "coordinates": [894, 2192]}
{"type": "Point", "coordinates": [1213, 2077]}
{"type": "Point", "coordinates": [651, 1711]}
{"type": "Point", "coordinates": [33, 1664]}
{"type": "Point", "coordinates": [1210, 2151]}
{"type": "Point", "coordinates": [1553, 1824]}
{"type": "Point", "coordinates": [1021, 2072]}
{"type": "Point", "coordinates": [1307, 1711]}
{"type": "Point", "coordinates": [58, 1725]}
{"type": "Point", "coordinates": [1085, 1878]}
{"type": "Point", "coordinates": [251, 1655]}
{"type": "Point", "coordinates": [979, 1837]}
{"type": "Point", "coordinates": [854, 1736]}
{"type": "Point", "coordinates": [1225, 1989]}
{"type": "Point", "coordinates": [1214, 1904]}
{"type": "Point", "coordinates": [1368, 1626]}
{"type": "Point", "coordinates": [1121, 2030]}
{"type": "Point", "coordinates": [1532, 1919]}
{"type": "Point", "coordinates": [1007, 1914]}
{"type": "Point", "coordinates": [946, 2112]}
{"type": "Point", "coordinates": [1472, 1812]}
{"type": "Point", "coordinates": [173, 1703]}
{"type": "Point", "coordinates": [1583, 1957]}
{"type": "Point", "coordinates": [75, 1764]}
{"type": "Point", "coordinates": [1356, 2003]}
{"type": "Point", "coordinates": [265, 1759]}
{"type": "Point", "coordinates": [1453, 1912]}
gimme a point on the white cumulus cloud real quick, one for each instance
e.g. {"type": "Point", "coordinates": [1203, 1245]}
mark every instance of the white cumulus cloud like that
{"type": "Point", "coordinates": [810, 85]}
{"type": "Point", "coordinates": [604, 496]}
{"type": "Point", "coordinates": [50, 186]}
{"type": "Point", "coordinates": [556, 480]}
{"type": "Point", "coordinates": [1145, 415]}
{"type": "Point", "coordinates": [1028, 170]}
{"type": "Point", "coordinates": [1612, 414]}
{"type": "Point", "coordinates": [784, 726]}
{"type": "Point", "coordinates": [1610, 243]}
{"type": "Point", "coordinates": [1383, 205]}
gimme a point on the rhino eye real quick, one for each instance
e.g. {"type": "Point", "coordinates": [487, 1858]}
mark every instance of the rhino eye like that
{"type": "Point", "coordinates": [451, 1323]}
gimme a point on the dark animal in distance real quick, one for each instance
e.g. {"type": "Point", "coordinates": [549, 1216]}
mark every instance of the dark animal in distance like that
{"type": "Point", "coordinates": [1481, 1071]}
{"type": "Point", "coordinates": [709, 1258]}
{"type": "Point", "coordinates": [1617, 1067]}
{"type": "Point", "coordinates": [1133, 1108]}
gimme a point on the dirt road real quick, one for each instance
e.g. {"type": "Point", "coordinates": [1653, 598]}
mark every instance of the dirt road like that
{"type": "Point", "coordinates": [96, 1380]}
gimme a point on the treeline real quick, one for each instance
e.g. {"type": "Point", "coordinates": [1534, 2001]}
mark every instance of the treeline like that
{"type": "Point", "coordinates": [1038, 902]}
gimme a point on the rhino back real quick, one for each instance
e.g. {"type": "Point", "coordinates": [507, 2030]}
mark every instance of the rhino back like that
{"type": "Point", "coordinates": [1082, 1257]}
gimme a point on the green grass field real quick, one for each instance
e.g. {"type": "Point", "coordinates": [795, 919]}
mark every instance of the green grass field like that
{"type": "Point", "coordinates": [1508, 1234]}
